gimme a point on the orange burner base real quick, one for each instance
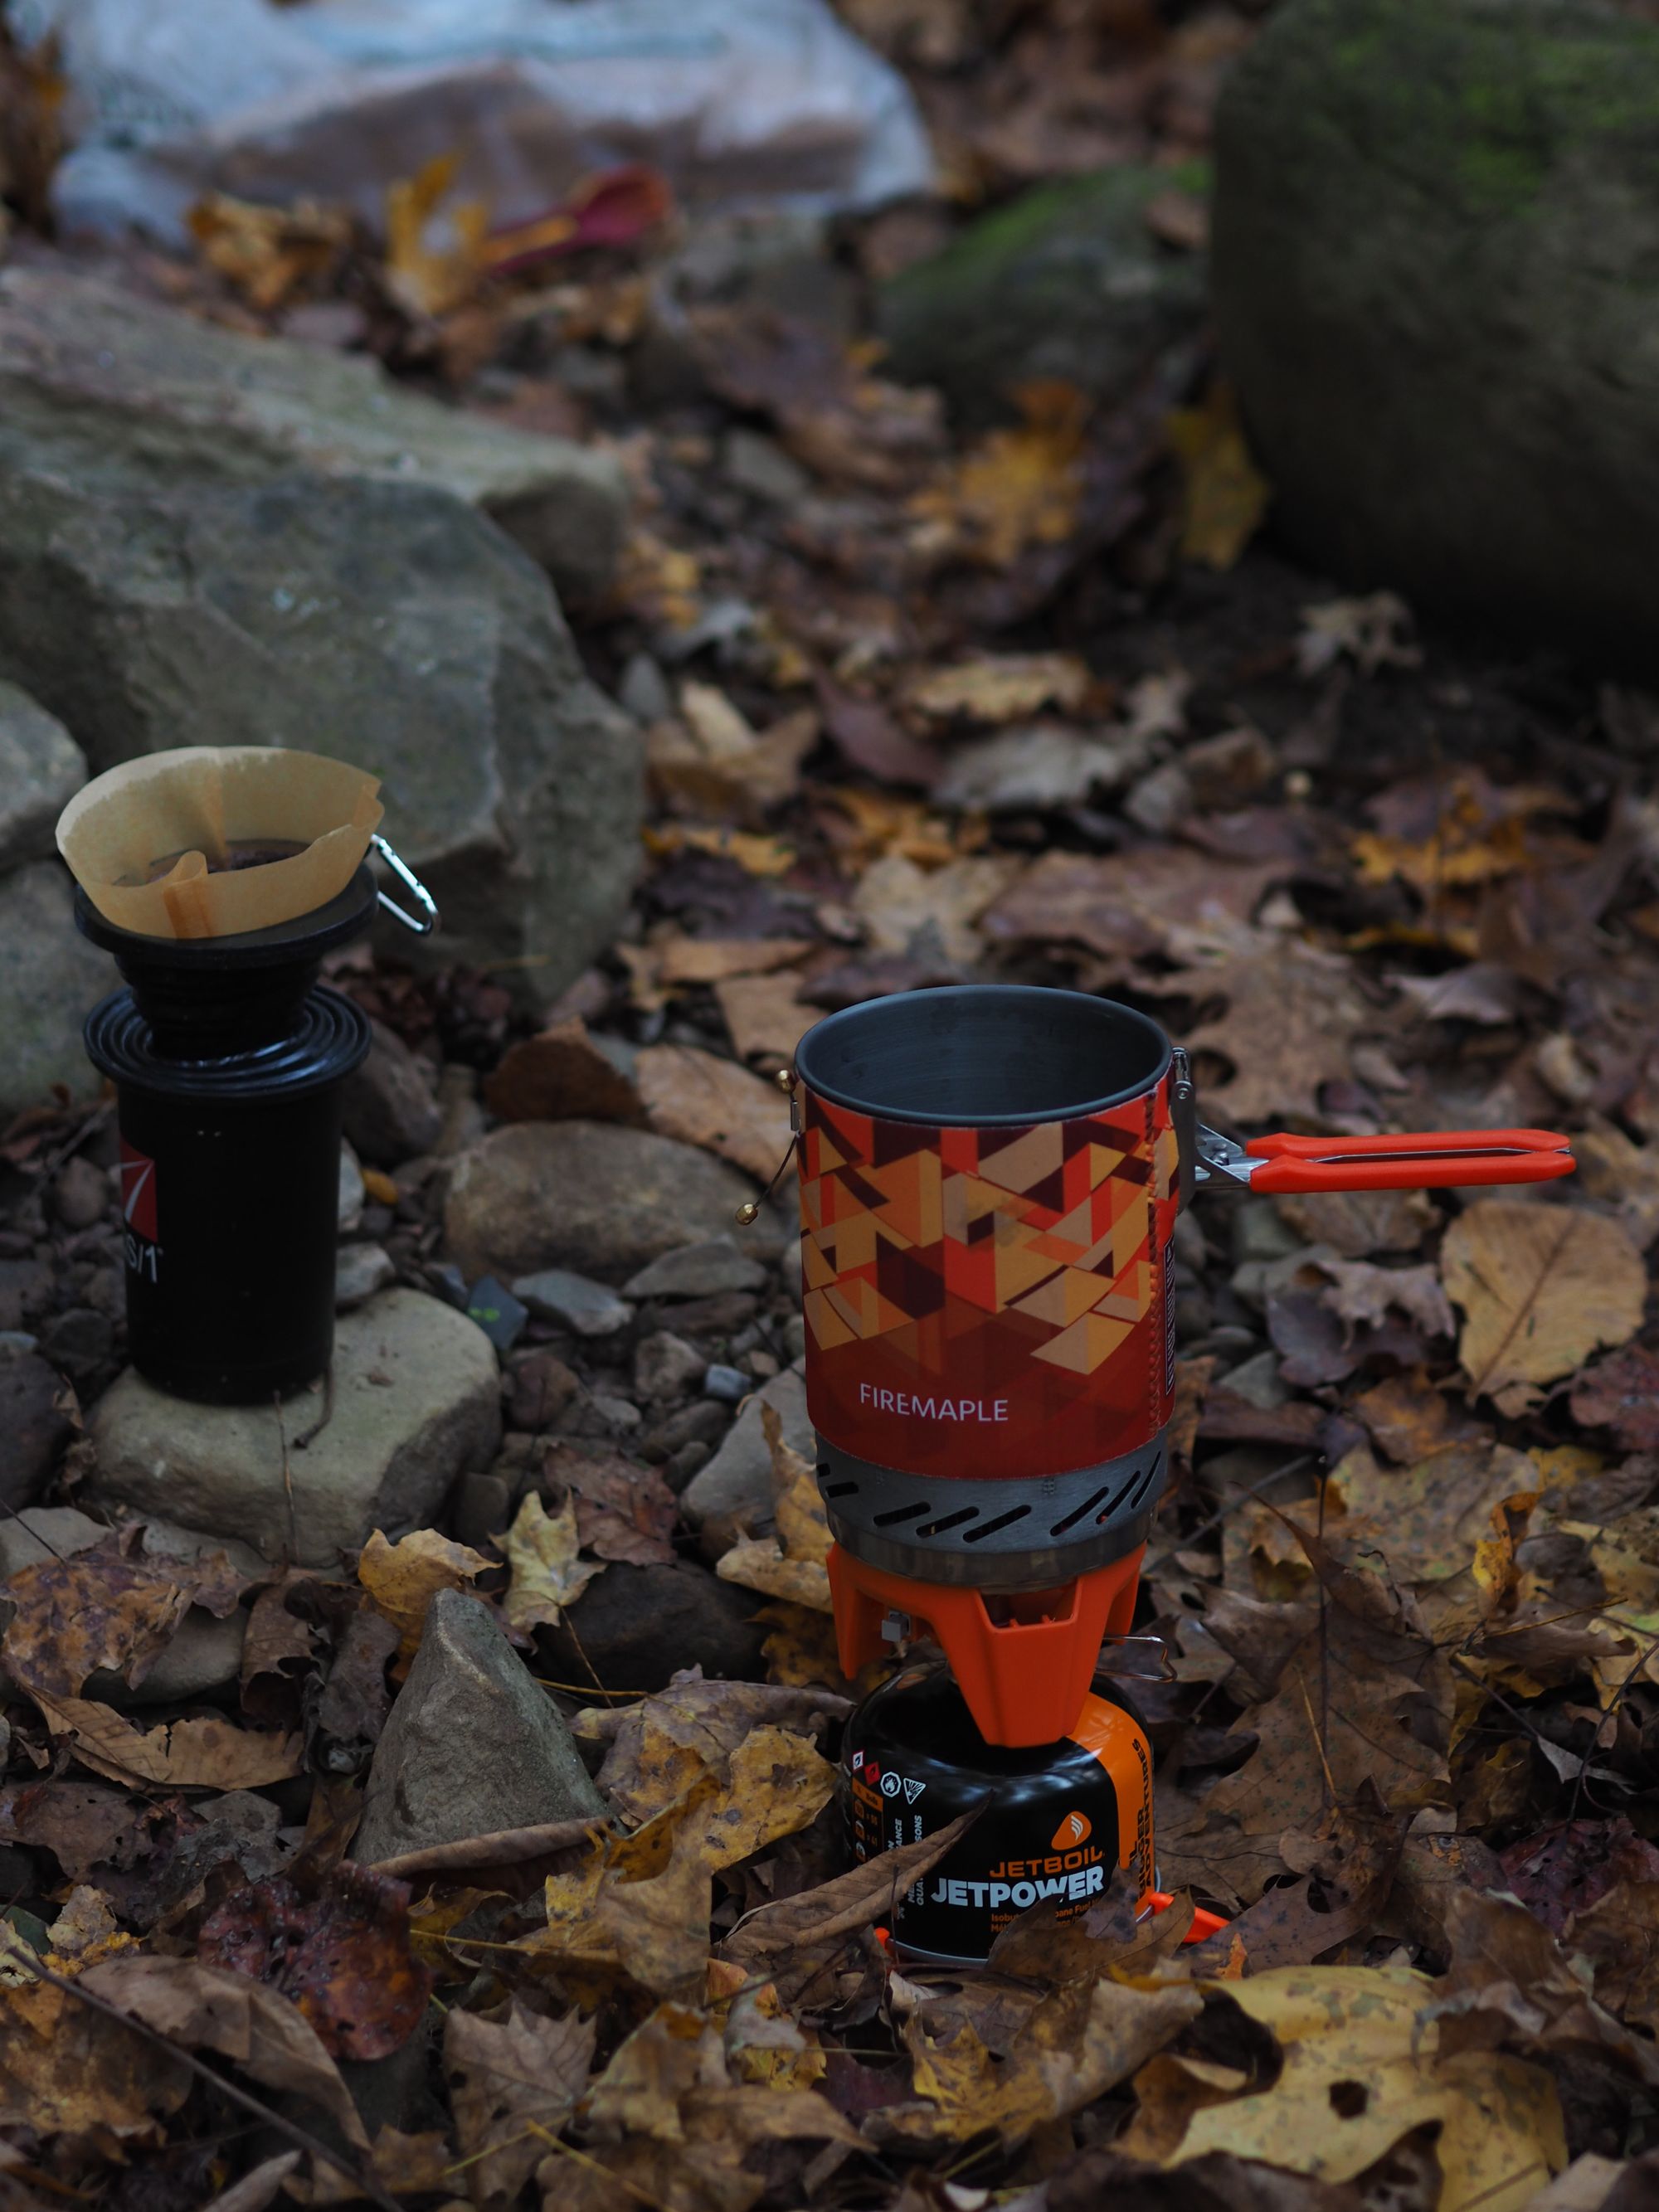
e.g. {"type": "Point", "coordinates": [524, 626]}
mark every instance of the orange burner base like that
{"type": "Point", "coordinates": [1024, 1662]}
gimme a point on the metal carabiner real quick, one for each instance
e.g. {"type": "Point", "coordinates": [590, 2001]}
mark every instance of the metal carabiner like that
{"type": "Point", "coordinates": [406, 875]}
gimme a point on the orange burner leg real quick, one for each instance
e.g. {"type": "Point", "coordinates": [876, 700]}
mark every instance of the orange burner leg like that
{"type": "Point", "coordinates": [1022, 1662]}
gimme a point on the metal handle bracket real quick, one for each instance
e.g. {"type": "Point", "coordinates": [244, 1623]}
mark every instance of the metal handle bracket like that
{"type": "Point", "coordinates": [423, 924]}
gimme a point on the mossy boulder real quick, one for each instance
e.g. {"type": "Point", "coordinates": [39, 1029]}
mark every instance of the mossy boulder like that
{"type": "Point", "coordinates": [1068, 281]}
{"type": "Point", "coordinates": [1437, 280]}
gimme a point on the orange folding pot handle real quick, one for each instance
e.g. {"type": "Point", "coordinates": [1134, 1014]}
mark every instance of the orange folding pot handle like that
{"type": "Point", "coordinates": [1407, 1161]}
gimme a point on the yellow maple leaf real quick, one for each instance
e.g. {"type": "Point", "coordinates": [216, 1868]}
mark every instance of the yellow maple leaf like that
{"type": "Point", "coordinates": [541, 1549]}
{"type": "Point", "coordinates": [1362, 2067]}
{"type": "Point", "coordinates": [402, 1579]}
{"type": "Point", "coordinates": [790, 1565]}
{"type": "Point", "coordinates": [1226, 495]}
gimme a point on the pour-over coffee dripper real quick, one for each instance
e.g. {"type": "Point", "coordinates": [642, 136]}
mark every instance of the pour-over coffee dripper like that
{"type": "Point", "coordinates": [227, 1056]}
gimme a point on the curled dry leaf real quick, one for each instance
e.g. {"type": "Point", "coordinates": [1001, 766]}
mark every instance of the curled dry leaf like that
{"type": "Point", "coordinates": [765, 1017]}
{"type": "Point", "coordinates": [711, 1102]}
{"type": "Point", "coordinates": [513, 2083]}
{"type": "Point", "coordinates": [1542, 1287]}
{"type": "Point", "coordinates": [660, 1747]}
{"type": "Point", "coordinates": [791, 1564]}
{"type": "Point", "coordinates": [640, 1904]}
{"type": "Point", "coordinates": [542, 1550]}
{"type": "Point", "coordinates": [402, 1579]}
{"type": "Point", "coordinates": [1076, 2043]}
{"type": "Point", "coordinates": [207, 1754]}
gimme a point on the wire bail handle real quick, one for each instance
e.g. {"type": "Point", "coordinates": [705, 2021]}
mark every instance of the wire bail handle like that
{"type": "Point", "coordinates": [423, 924]}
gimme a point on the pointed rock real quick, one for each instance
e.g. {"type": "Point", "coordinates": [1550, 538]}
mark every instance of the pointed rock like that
{"type": "Point", "coordinates": [472, 1744]}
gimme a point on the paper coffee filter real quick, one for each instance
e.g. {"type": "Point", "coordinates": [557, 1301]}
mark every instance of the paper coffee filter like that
{"type": "Point", "coordinates": [200, 802]}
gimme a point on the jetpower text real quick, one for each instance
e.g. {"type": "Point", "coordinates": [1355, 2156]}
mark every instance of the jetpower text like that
{"type": "Point", "coordinates": [1087, 1881]}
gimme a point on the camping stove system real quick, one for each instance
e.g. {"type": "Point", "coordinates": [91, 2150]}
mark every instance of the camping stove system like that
{"type": "Point", "coordinates": [989, 1180]}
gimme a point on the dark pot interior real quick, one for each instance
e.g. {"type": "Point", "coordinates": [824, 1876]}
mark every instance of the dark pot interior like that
{"type": "Point", "coordinates": [982, 1053]}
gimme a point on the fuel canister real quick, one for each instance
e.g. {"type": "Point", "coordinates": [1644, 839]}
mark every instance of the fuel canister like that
{"type": "Point", "coordinates": [1058, 1817]}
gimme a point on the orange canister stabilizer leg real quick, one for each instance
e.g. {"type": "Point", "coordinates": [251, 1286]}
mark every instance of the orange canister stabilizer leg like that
{"type": "Point", "coordinates": [1023, 1662]}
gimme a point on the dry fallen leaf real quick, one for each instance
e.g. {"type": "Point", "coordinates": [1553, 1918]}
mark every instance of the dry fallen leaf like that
{"type": "Point", "coordinates": [1226, 495]}
{"type": "Point", "coordinates": [402, 1579]}
{"type": "Point", "coordinates": [1014, 488]}
{"type": "Point", "coordinates": [207, 1754]}
{"type": "Point", "coordinates": [1363, 2066]}
{"type": "Point", "coordinates": [205, 2008]}
{"type": "Point", "coordinates": [559, 1074]}
{"type": "Point", "coordinates": [790, 1565]}
{"type": "Point", "coordinates": [1542, 1287]}
{"type": "Point", "coordinates": [642, 1904]}
{"type": "Point", "coordinates": [930, 914]}
{"type": "Point", "coordinates": [514, 2081]}
{"type": "Point", "coordinates": [67, 2070]}
{"type": "Point", "coordinates": [1076, 2043]}
{"type": "Point", "coordinates": [765, 1017]}
{"type": "Point", "coordinates": [542, 1549]}
{"type": "Point", "coordinates": [659, 1748]}
{"type": "Point", "coordinates": [1004, 687]}
{"type": "Point", "coordinates": [711, 1102]}
{"type": "Point", "coordinates": [1293, 1012]}
{"type": "Point", "coordinates": [107, 1607]}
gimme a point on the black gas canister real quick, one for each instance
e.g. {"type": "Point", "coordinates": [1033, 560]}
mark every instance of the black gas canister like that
{"type": "Point", "coordinates": [1058, 1819]}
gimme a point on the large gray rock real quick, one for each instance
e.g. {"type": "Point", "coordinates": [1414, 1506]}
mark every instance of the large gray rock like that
{"type": "Point", "coordinates": [594, 1196]}
{"type": "Point", "coordinates": [41, 768]}
{"type": "Point", "coordinates": [633, 1627]}
{"type": "Point", "coordinates": [472, 1745]}
{"type": "Point", "coordinates": [1068, 281]}
{"type": "Point", "coordinates": [33, 1426]}
{"type": "Point", "coordinates": [737, 1483]}
{"type": "Point", "coordinates": [103, 386]}
{"type": "Point", "coordinates": [1437, 274]}
{"type": "Point", "coordinates": [415, 1402]}
{"type": "Point", "coordinates": [49, 980]}
{"type": "Point", "coordinates": [383, 623]}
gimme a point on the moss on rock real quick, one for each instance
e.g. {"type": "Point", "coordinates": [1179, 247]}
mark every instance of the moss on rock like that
{"type": "Point", "coordinates": [1067, 281]}
{"type": "Point", "coordinates": [1435, 252]}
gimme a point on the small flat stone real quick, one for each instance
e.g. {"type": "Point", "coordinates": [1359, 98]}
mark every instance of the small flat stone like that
{"type": "Point", "coordinates": [666, 1366]}
{"type": "Point", "coordinates": [575, 1301]}
{"type": "Point", "coordinates": [496, 1312]}
{"type": "Point", "coordinates": [598, 1196]}
{"type": "Point", "coordinates": [416, 1401]}
{"type": "Point", "coordinates": [359, 1270]}
{"type": "Point", "coordinates": [728, 1383]}
{"type": "Point", "coordinates": [739, 1479]}
{"type": "Point", "coordinates": [698, 1270]}
{"type": "Point", "coordinates": [391, 1113]}
{"type": "Point", "coordinates": [79, 1193]}
{"type": "Point", "coordinates": [353, 1196]}
{"type": "Point", "coordinates": [472, 1745]}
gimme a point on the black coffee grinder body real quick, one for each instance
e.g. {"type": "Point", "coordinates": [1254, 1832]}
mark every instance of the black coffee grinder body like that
{"type": "Point", "coordinates": [228, 1061]}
